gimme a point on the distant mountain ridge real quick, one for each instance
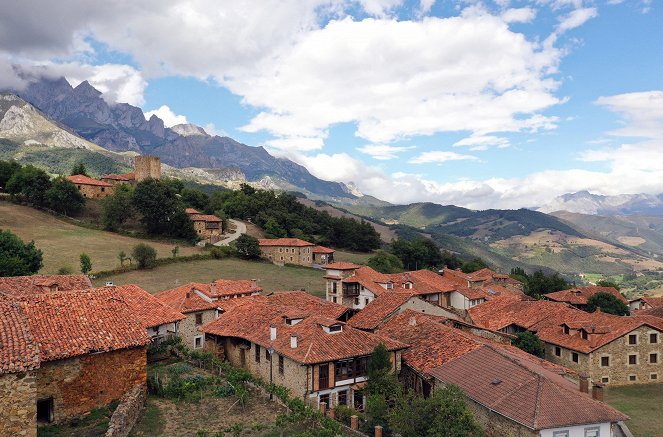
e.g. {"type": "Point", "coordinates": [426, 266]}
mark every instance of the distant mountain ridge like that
{"type": "Point", "coordinates": [122, 127]}
{"type": "Point", "coordinates": [584, 202]}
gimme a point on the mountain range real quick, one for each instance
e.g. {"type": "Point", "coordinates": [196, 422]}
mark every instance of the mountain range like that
{"type": "Point", "coordinates": [584, 202]}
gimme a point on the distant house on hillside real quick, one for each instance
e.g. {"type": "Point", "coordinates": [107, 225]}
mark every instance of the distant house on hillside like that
{"type": "Point", "coordinates": [287, 251]}
{"type": "Point", "coordinates": [578, 297]}
{"type": "Point", "coordinates": [645, 303]}
{"type": "Point", "coordinates": [91, 188]}
{"type": "Point", "coordinates": [323, 255]}
{"type": "Point", "coordinates": [208, 227]}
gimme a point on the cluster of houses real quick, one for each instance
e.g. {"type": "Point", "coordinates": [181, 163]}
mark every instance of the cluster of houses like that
{"type": "Point", "coordinates": [66, 347]}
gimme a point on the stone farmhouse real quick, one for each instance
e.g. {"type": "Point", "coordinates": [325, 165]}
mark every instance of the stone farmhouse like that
{"type": "Point", "coordinates": [65, 353]}
{"type": "Point", "coordinates": [608, 349]}
{"type": "Point", "coordinates": [145, 167]}
{"type": "Point", "coordinates": [510, 392]}
{"type": "Point", "coordinates": [201, 303]}
{"type": "Point", "coordinates": [578, 297]}
{"type": "Point", "coordinates": [304, 348]}
{"type": "Point", "coordinates": [645, 303]}
{"type": "Point", "coordinates": [208, 227]}
{"type": "Point", "coordinates": [91, 188]}
{"type": "Point", "coordinates": [323, 255]}
{"type": "Point", "coordinates": [287, 251]}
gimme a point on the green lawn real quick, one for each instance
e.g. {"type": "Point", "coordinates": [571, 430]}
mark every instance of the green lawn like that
{"type": "Point", "coordinates": [643, 403]}
{"type": "Point", "coordinates": [352, 257]}
{"type": "Point", "coordinates": [270, 277]}
{"type": "Point", "coordinates": [63, 242]}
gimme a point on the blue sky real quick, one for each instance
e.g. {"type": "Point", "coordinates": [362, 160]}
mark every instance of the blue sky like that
{"type": "Point", "coordinates": [477, 103]}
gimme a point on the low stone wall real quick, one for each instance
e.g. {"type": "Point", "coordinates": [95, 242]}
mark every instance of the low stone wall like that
{"type": "Point", "coordinates": [127, 412]}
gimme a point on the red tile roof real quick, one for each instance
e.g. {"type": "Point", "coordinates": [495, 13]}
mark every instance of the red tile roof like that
{"type": "Point", "coordinates": [379, 310]}
{"type": "Point", "coordinates": [284, 242]}
{"type": "Point", "coordinates": [185, 299]}
{"type": "Point", "coordinates": [191, 211]}
{"type": "Point", "coordinates": [17, 286]}
{"type": "Point", "coordinates": [423, 282]}
{"type": "Point", "coordinates": [654, 302]}
{"type": "Point", "coordinates": [205, 218]}
{"type": "Point", "coordinates": [473, 293]}
{"type": "Point", "coordinates": [72, 323]}
{"type": "Point", "coordinates": [178, 299]}
{"type": "Point", "coordinates": [148, 310]}
{"type": "Point", "coordinates": [85, 180]}
{"type": "Point", "coordinates": [518, 389]}
{"type": "Point", "coordinates": [314, 345]}
{"type": "Point", "coordinates": [18, 350]}
{"type": "Point", "coordinates": [580, 295]}
{"type": "Point", "coordinates": [121, 177]}
{"type": "Point", "coordinates": [322, 249]}
{"type": "Point", "coordinates": [307, 302]}
{"type": "Point", "coordinates": [341, 266]}
{"type": "Point", "coordinates": [652, 312]}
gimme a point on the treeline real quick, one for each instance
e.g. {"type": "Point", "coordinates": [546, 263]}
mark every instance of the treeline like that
{"type": "Point", "coordinates": [281, 215]}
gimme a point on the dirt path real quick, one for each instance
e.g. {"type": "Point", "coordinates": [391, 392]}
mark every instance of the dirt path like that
{"type": "Point", "coordinates": [240, 228]}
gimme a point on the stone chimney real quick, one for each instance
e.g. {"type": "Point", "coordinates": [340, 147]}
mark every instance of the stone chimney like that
{"type": "Point", "coordinates": [272, 332]}
{"type": "Point", "coordinates": [212, 287]}
{"type": "Point", "coordinates": [254, 283]}
{"type": "Point", "coordinates": [293, 341]}
{"type": "Point", "coordinates": [584, 383]}
{"type": "Point", "coordinates": [188, 295]}
{"type": "Point", "coordinates": [597, 391]}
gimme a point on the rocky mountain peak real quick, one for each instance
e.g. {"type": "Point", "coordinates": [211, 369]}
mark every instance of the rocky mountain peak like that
{"type": "Point", "coordinates": [188, 129]}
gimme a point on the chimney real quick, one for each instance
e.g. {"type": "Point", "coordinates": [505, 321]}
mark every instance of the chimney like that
{"type": "Point", "coordinates": [254, 283]}
{"type": "Point", "coordinates": [212, 287]}
{"type": "Point", "coordinates": [597, 391]}
{"type": "Point", "coordinates": [293, 341]}
{"type": "Point", "coordinates": [188, 295]}
{"type": "Point", "coordinates": [584, 383]}
{"type": "Point", "coordinates": [272, 332]}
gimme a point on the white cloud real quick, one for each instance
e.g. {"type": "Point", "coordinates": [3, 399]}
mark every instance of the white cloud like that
{"type": "Point", "coordinates": [383, 152]}
{"type": "Point", "coordinates": [169, 118]}
{"type": "Point", "coordinates": [642, 113]}
{"type": "Point", "coordinates": [380, 8]}
{"type": "Point", "coordinates": [483, 142]}
{"type": "Point", "coordinates": [425, 6]}
{"type": "Point", "coordinates": [576, 18]}
{"type": "Point", "coordinates": [440, 157]}
{"type": "Point", "coordinates": [519, 15]}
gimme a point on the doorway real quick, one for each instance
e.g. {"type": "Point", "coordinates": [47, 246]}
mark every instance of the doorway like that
{"type": "Point", "coordinates": [45, 410]}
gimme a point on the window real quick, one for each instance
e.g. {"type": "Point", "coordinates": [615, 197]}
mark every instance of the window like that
{"type": "Point", "coordinates": [594, 431]}
{"type": "Point", "coordinates": [653, 376]}
{"type": "Point", "coordinates": [632, 378]}
{"type": "Point", "coordinates": [366, 301]}
{"type": "Point", "coordinates": [633, 339]}
{"type": "Point", "coordinates": [257, 353]}
{"type": "Point", "coordinates": [325, 398]}
{"type": "Point", "coordinates": [584, 335]}
{"type": "Point", "coordinates": [566, 329]}
{"type": "Point", "coordinates": [653, 338]}
{"type": "Point", "coordinates": [349, 369]}
{"type": "Point", "coordinates": [632, 359]}
{"type": "Point", "coordinates": [653, 358]}
{"type": "Point", "coordinates": [267, 354]}
{"type": "Point", "coordinates": [334, 287]}
{"type": "Point", "coordinates": [605, 361]}
{"type": "Point", "coordinates": [199, 319]}
{"type": "Point", "coordinates": [574, 357]}
{"type": "Point", "coordinates": [334, 299]}
{"type": "Point", "coordinates": [198, 342]}
{"type": "Point", "coordinates": [281, 249]}
{"type": "Point", "coordinates": [560, 434]}
{"type": "Point", "coordinates": [45, 410]}
{"type": "Point", "coordinates": [356, 301]}
{"type": "Point", "coordinates": [558, 351]}
{"type": "Point", "coordinates": [605, 380]}
{"type": "Point", "coordinates": [323, 376]}
{"type": "Point", "coordinates": [343, 397]}
{"type": "Point", "coordinates": [281, 365]}
{"type": "Point", "coordinates": [103, 189]}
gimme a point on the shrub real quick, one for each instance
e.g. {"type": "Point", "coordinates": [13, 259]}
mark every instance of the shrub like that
{"type": "Point", "coordinates": [144, 255]}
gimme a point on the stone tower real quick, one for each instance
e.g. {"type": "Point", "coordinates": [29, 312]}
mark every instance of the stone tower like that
{"type": "Point", "coordinates": [147, 167]}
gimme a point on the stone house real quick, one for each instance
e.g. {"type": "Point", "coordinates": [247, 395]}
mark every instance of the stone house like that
{"type": "Point", "coordinates": [578, 297]}
{"type": "Point", "coordinates": [611, 350]}
{"type": "Point", "coordinates": [91, 188]}
{"type": "Point", "coordinates": [318, 358]}
{"type": "Point", "coordinates": [69, 352]}
{"type": "Point", "coordinates": [201, 303]}
{"type": "Point", "coordinates": [208, 227]}
{"type": "Point", "coordinates": [287, 251]}
{"type": "Point", "coordinates": [645, 303]}
{"type": "Point", "coordinates": [120, 179]}
{"type": "Point", "coordinates": [323, 255]}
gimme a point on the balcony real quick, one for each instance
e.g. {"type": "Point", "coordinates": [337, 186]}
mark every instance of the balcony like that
{"type": "Point", "coordinates": [350, 290]}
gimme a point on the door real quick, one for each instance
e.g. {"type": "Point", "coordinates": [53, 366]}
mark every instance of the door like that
{"type": "Point", "coordinates": [45, 410]}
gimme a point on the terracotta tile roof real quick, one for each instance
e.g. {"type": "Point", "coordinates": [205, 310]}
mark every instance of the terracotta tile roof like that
{"type": "Point", "coordinates": [18, 351]}
{"type": "Point", "coordinates": [376, 312]}
{"type": "Point", "coordinates": [205, 218]}
{"type": "Point", "coordinates": [652, 312]}
{"type": "Point", "coordinates": [148, 310]}
{"type": "Point", "coordinates": [473, 293]}
{"type": "Point", "coordinates": [85, 180]}
{"type": "Point", "coordinates": [521, 391]}
{"type": "Point", "coordinates": [307, 302]}
{"type": "Point", "coordinates": [72, 323]}
{"type": "Point", "coordinates": [178, 299]}
{"type": "Point", "coordinates": [17, 286]}
{"type": "Point", "coordinates": [284, 242]}
{"type": "Point", "coordinates": [423, 282]}
{"type": "Point", "coordinates": [186, 299]}
{"type": "Point", "coordinates": [314, 345]}
{"type": "Point", "coordinates": [580, 295]}
{"type": "Point", "coordinates": [497, 291]}
{"type": "Point", "coordinates": [654, 302]}
{"type": "Point", "coordinates": [226, 288]}
{"type": "Point", "coordinates": [341, 266]}
{"type": "Point", "coordinates": [191, 211]}
{"type": "Point", "coordinates": [322, 249]}
{"type": "Point", "coordinates": [497, 314]}
{"type": "Point", "coordinates": [121, 177]}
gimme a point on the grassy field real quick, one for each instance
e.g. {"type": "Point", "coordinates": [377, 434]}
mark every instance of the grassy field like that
{"type": "Point", "coordinates": [63, 242]}
{"type": "Point", "coordinates": [270, 277]}
{"type": "Point", "coordinates": [352, 257]}
{"type": "Point", "coordinates": [643, 404]}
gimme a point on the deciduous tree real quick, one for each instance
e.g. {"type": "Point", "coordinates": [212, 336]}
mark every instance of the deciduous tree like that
{"type": "Point", "coordinates": [18, 258]}
{"type": "Point", "coordinates": [607, 303]}
{"type": "Point", "coordinates": [64, 197]}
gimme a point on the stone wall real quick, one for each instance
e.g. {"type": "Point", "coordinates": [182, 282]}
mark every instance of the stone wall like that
{"type": "Point", "coordinates": [94, 191]}
{"type": "Point", "coordinates": [18, 404]}
{"type": "Point", "coordinates": [80, 384]}
{"type": "Point", "coordinates": [127, 412]}
{"type": "Point", "coordinates": [188, 329]}
{"type": "Point", "coordinates": [496, 425]}
{"type": "Point", "coordinates": [147, 167]}
{"type": "Point", "coordinates": [289, 255]}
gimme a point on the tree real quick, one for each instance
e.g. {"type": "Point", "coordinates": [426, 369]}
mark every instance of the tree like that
{"type": "Point", "coordinates": [382, 388]}
{"type": "Point", "coordinates": [421, 253]}
{"type": "Point", "coordinates": [247, 247]}
{"type": "Point", "coordinates": [162, 212]}
{"type": "Point", "coordinates": [118, 208]}
{"type": "Point", "coordinates": [539, 283]}
{"type": "Point", "coordinates": [607, 303]}
{"type": "Point", "coordinates": [122, 257]}
{"type": "Point", "coordinates": [79, 168]}
{"type": "Point", "coordinates": [607, 283]}
{"type": "Point", "coordinates": [30, 183]}
{"type": "Point", "coordinates": [529, 342]}
{"type": "Point", "coordinates": [7, 170]}
{"type": "Point", "coordinates": [18, 258]}
{"type": "Point", "coordinates": [385, 262]}
{"type": "Point", "coordinates": [175, 251]}
{"type": "Point", "coordinates": [145, 256]}
{"type": "Point", "coordinates": [86, 263]}
{"type": "Point", "coordinates": [195, 198]}
{"type": "Point", "coordinates": [64, 197]}
{"type": "Point", "coordinates": [473, 265]}
{"type": "Point", "coordinates": [445, 413]}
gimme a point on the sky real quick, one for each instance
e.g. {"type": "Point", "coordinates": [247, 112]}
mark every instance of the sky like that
{"type": "Point", "coordinates": [482, 104]}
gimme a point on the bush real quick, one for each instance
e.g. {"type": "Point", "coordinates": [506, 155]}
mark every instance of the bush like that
{"type": "Point", "coordinates": [145, 256]}
{"type": "Point", "coordinates": [18, 258]}
{"type": "Point", "coordinates": [65, 270]}
{"type": "Point", "coordinates": [247, 247]}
